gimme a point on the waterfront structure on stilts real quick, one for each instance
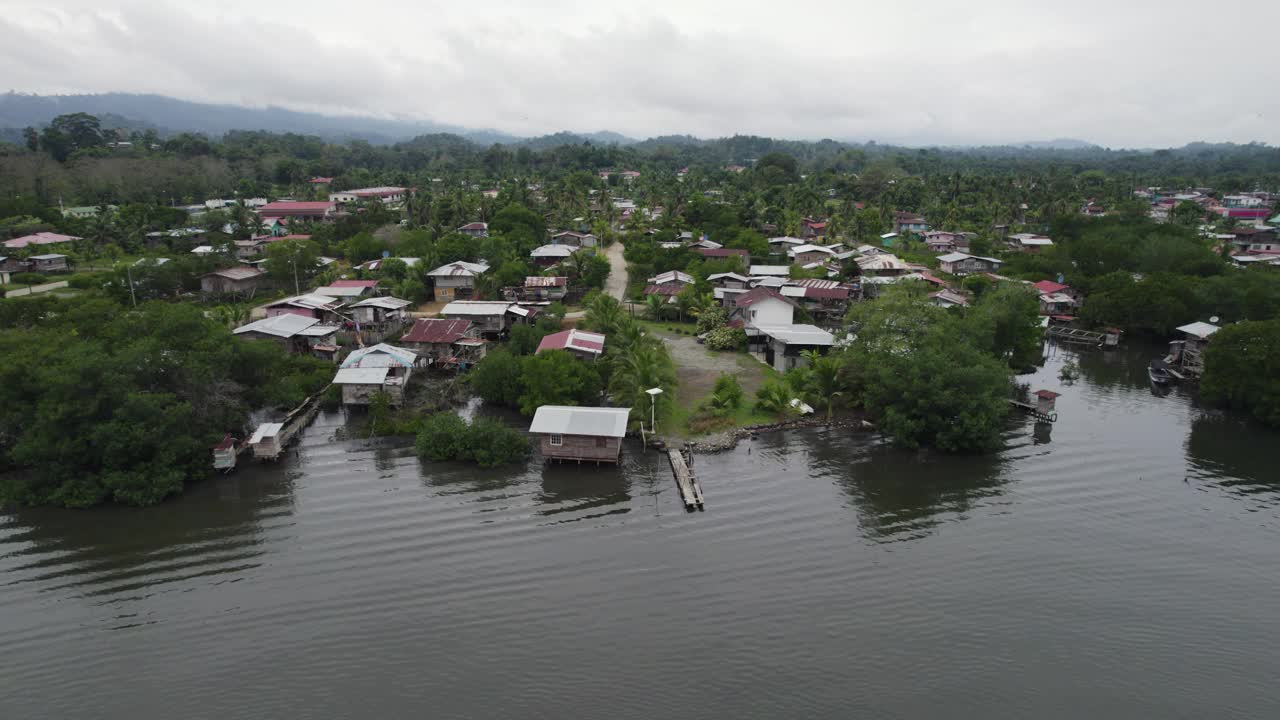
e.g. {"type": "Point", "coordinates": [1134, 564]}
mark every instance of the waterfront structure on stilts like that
{"type": "Point", "coordinates": [568, 433]}
{"type": "Point", "coordinates": [1044, 408]}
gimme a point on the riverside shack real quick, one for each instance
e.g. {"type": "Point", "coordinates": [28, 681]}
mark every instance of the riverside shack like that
{"type": "Point", "coordinates": [593, 434]}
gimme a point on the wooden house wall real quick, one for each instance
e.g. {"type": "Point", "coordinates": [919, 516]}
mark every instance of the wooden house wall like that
{"type": "Point", "coordinates": [581, 447]}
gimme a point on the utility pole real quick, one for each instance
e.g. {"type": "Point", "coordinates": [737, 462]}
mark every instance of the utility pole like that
{"type": "Point", "coordinates": [128, 270]}
{"type": "Point", "coordinates": [296, 287]}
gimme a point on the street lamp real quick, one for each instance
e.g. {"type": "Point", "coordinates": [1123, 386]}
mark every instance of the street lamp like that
{"type": "Point", "coordinates": [653, 408]}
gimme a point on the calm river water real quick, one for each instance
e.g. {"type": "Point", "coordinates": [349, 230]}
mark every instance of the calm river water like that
{"type": "Point", "coordinates": [1127, 565]}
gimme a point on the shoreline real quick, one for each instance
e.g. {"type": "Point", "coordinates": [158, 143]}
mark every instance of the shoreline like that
{"type": "Point", "coordinates": [729, 439]}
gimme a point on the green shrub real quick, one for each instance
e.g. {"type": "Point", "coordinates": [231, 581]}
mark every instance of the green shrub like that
{"type": "Point", "coordinates": [445, 436]}
{"type": "Point", "coordinates": [727, 338]}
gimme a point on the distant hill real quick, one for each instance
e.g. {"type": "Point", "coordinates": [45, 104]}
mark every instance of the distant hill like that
{"type": "Point", "coordinates": [170, 115]}
{"type": "Point", "coordinates": [1058, 144]}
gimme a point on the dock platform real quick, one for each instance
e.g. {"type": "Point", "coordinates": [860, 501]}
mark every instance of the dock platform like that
{"type": "Point", "coordinates": [1033, 410]}
{"type": "Point", "coordinates": [690, 492]}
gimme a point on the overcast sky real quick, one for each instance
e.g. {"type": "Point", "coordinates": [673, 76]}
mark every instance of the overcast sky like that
{"type": "Point", "coordinates": [1126, 73]}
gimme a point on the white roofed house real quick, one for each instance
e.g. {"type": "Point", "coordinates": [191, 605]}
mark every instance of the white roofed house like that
{"type": "Point", "coordinates": [570, 433]}
{"type": "Point", "coordinates": [490, 317]}
{"type": "Point", "coordinates": [296, 333]}
{"type": "Point", "coordinates": [882, 265]}
{"type": "Point", "coordinates": [380, 368]}
{"type": "Point", "coordinates": [1029, 242]}
{"type": "Point", "coordinates": [548, 255]}
{"type": "Point", "coordinates": [668, 284]}
{"type": "Point", "coordinates": [1187, 354]}
{"type": "Point", "coordinates": [49, 262]}
{"type": "Point", "coordinates": [322, 307]}
{"type": "Point", "coordinates": [781, 346]}
{"type": "Point", "coordinates": [959, 264]}
{"type": "Point", "coordinates": [574, 239]}
{"type": "Point", "coordinates": [233, 281]}
{"type": "Point", "coordinates": [808, 254]}
{"type": "Point", "coordinates": [379, 312]}
{"type": "Point", "coordinates": [945, 241]}
{"type": "Point", "coordinates": [457, 279]}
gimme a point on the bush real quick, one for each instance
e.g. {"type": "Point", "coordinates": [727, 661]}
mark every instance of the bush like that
{"type": "Point", "coordinates": [727, 338]}
{"type": "Point", "coordinates": [445, 436]}
{"type": "Point", "coordinates": [726, 396]}
{"type": "Point", "coordinates": [711, 319]}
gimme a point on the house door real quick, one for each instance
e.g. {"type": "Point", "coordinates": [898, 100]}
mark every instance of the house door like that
{"type": "Point", "coordinates": [768, 354]}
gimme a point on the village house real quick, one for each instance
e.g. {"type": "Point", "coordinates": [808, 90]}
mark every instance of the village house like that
{"type": "Point", "coordinates": [446, 342]}
{"type": "Point", "coordinates": [321, 307]}
{"type": "Point", "coordinates": [490, 317]}
{"type": "Point", "coordinates": [882, 264]}
{"type": "Point", "coordinates": [763, 271]}
{"type": "Point", "coordinates": [385, 194]}
{"type": "Point", "coordinates": [591, 434]}
{"type": "Point", "coordinates": [1187, 354]}
{"type": "Point", "coordinates": [457, 280]}
{"type": "Point", "coordinates": [811, 229]}
{"type": "Point", "coordinates": [299, 211]}
{"type": "Point", "coordinates": [176, 239]}
{"type": "Point", "coordinates": [762, 306]}
{"type": "Point", "coordinates": [945, 241]}
{"type": "Point", "coordinates": [948, 298]}
{"type": "Point", "coordinates": [960, 264]}
{"type": "Point", "coordinates": [826, 300]}
{"type": "Point", "coordinates": [1029, 242]}
{"type": "Point", "coordinates": [380, 368]}
{"type": "Point", "coordinates": [49, 262]}
{"type": "Point", "coordinates": [295, 333]}
{"type": "Point", "coordinates": [475, 229]}
{"type": "Point", "coordinates": [579, 343]}
{"type": "Point", "coordinates": [253, 247]}
{"type": "Point", "coordinates": [575, 239]}
{"type": "Point", "coordinates": [720, 253]}
{"type": "Point", "coordinates": [703, 242]}
{"type": "Point", "coordinates": [668, 284]}
{"type": "Point", "coordinates": [538, 288]}
{"type": "Point", "coordinates": [349, 289]}
{"type": "Point", "coordinates": [375, 265]}
{"type": "Point", "coordinates": [1056, 298]}
{"type": "Point", "coordinates": [906, 222]}
{"type": "Point", "coordinates": [379, 312]}
{"type": "Point", "coordinates": [781, 346]}
{"type": "Point", "coordinates": [807, 254]}
{"type": "Point", "coordinates": [549, 255]}
{"type": "Point", "coordinates": [233, 281]}
{"type": "Point", "coordinates": [40, 239]}
{"type": "Point", "coordinates": [729, 280]}
{"type": "Point", "coordinates": [783, 245]}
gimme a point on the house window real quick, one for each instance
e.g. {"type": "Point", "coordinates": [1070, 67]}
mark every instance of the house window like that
{"type": "Point", "coordinates": [602, 442]}
{"type": "Point", "coordinates": [557, 440]}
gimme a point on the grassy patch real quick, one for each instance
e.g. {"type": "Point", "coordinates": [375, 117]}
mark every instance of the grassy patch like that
{"type": "Point", "coordinates": [668, 327]}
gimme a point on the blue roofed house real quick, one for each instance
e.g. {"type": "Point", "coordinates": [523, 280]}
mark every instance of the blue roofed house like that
{"type": "Point", "coordinates": [379, 368]}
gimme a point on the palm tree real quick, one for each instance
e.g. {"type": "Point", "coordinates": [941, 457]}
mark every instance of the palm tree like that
{"type": "Point", "coordinates": [774, 397]}
{"type": "Point", "coordinates": [823, 386]}
{"type": "Point", "coordinates": [604, 314]}
{"type": "Point", "coordinates": [645, 365]}
{"type": "Point", "coordinates": [653, 306]}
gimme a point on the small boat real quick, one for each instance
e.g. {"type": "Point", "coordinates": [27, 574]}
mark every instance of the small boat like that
{"type": "Point", "coordinates": [1158, 371]}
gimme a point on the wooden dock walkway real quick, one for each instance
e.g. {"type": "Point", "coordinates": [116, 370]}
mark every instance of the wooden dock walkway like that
{"type": "Point", "coordinates": [690, 492]}
{"type": "Point", "coordinates": [1032, 410]}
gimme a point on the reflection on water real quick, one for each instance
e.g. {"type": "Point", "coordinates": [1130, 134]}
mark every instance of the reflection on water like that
{"type": "Point", "coordinates": [1094, 566]}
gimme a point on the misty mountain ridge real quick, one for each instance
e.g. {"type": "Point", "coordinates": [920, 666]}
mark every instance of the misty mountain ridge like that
{"type": "Point", "coordinates": [170, 116]}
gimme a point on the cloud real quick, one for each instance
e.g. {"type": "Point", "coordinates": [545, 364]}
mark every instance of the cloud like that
{"type": "Point", "coordinates": [915, 71]}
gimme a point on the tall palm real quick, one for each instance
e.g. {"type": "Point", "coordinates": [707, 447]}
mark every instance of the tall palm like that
{"type": "Point", "coordinates": [653, 306]}
{"type": "Point", "coordinates": [645, 366]}
{"type": "Point", "coordinates": [824, 385]}
{"type": "Point", "coordinates": [604, 314]}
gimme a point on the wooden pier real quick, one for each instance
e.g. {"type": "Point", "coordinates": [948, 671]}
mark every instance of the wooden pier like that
{"type": "Point", "coordinates": [690, 492]}
{"type": "Point", "coordinates": [1075, 335]}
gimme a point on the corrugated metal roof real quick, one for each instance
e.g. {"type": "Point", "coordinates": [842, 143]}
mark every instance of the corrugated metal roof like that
{"type": "Point", "coordinates": [380, 355]}
{"type": "Point", "coordinates": [539, 281]}
{"type": "Point", "coordinates": [777, 270]}
{"type": "Point", "coordinates": [798, 334]}
{"type": "Point", "coordinates": [436, 330]}
{"type": "Point", "coordinates": [389, 303]}
{"type": "Point", "coordinates": [265, 430]}
{"type": "Point", "coordinates": [361, 376]}
{"type": "Point", "coordinates": [475, 307]}
{"type": "Point", "coordinates": [589, 421]}
{"type": "Point", "coordinates": [460, 269]}
{"type": "Point", "coordinates": [284, 326]}
{"type": "Point", "coordinates": [1201, 330]}
{"type": "Point", "coordinates": [553, 251]}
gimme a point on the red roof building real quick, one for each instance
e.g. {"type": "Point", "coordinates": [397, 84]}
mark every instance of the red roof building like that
{"type": "Point", "coordinates": [1048, 287]}
{"type": "Point", "coordinates": [40, 238]}
{"type": "Point", "coordinates": [319, 210]}
{"type": "Point", "coordinates": [436, 331]}
{"type": "Point", "coordinates": [579, 342]}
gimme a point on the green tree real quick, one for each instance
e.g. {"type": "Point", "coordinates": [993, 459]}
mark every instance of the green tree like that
{"type": "Point", "coordinates": [1237, 369]}
{"type": "Point", "coordinates": [555, 377]}
{"type": "Point", "coordinates": [497, 379]}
